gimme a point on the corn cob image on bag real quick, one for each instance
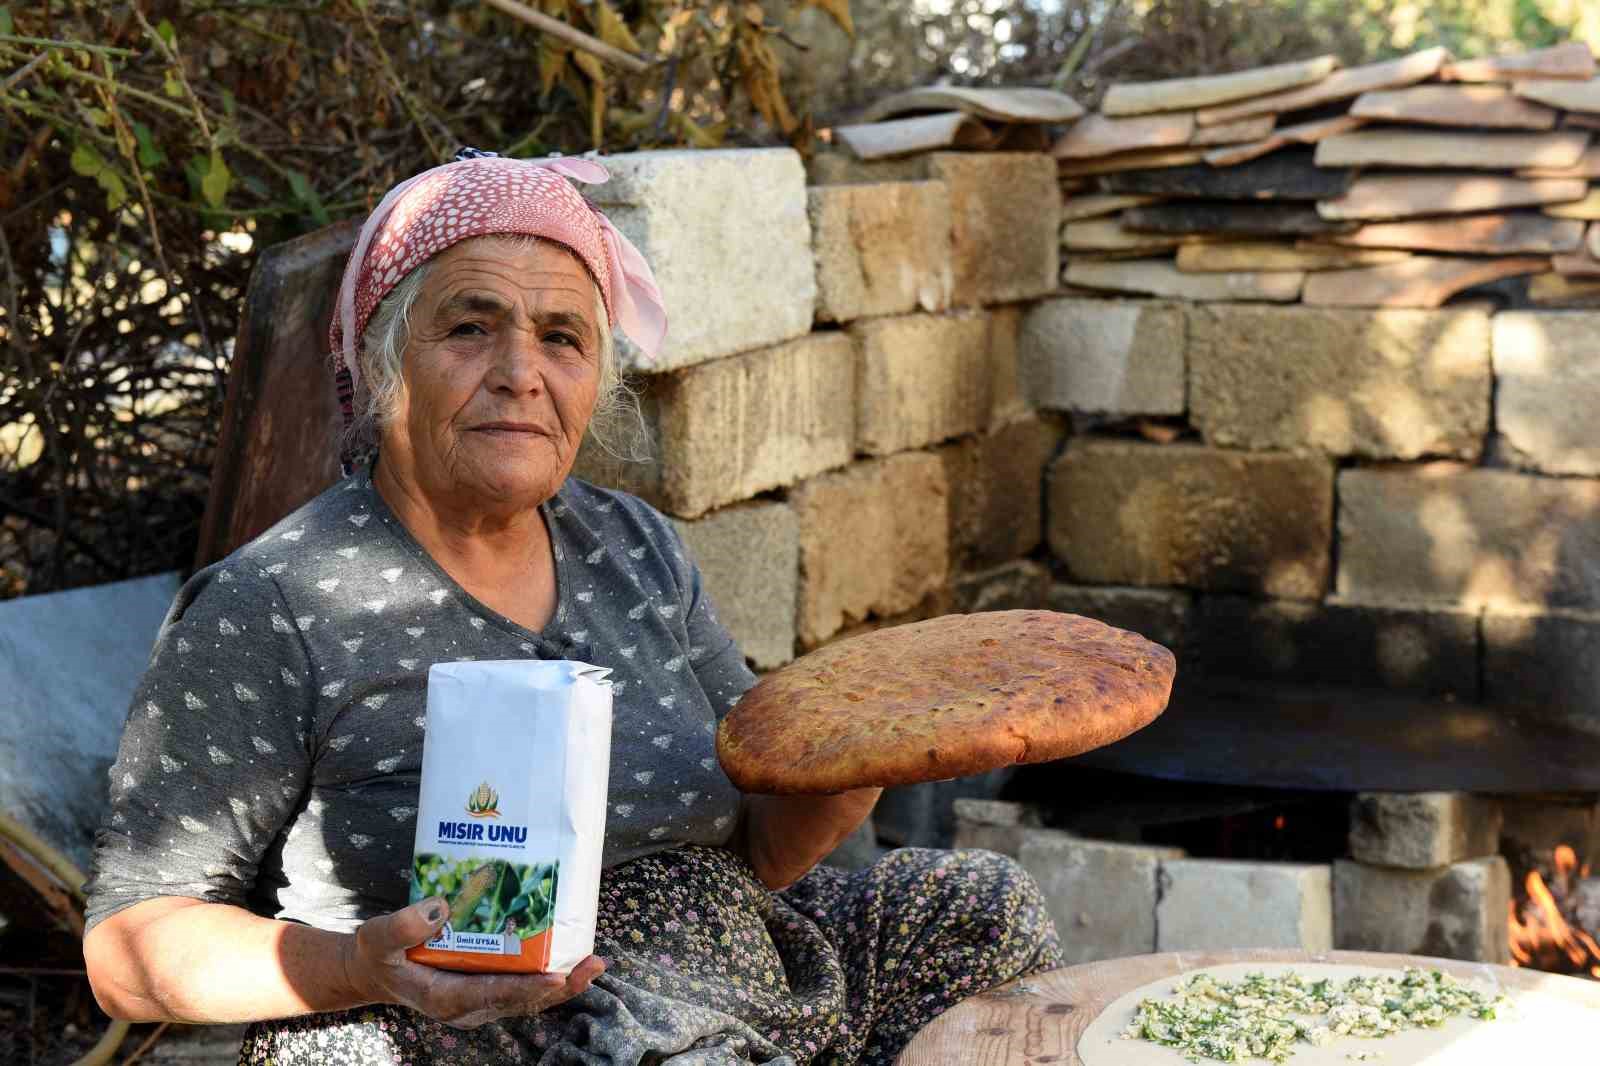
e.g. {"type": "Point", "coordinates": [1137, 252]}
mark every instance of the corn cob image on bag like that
{"type": "Point", "coordinates": [512, 815]}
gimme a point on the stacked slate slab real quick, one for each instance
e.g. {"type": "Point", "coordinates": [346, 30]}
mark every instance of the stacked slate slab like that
{"type": "Point", "coordinates": [1404, 183]}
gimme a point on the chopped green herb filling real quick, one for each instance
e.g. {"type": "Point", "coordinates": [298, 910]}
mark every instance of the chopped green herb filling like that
{"type": "Point", "coordinates": [1264, 1017]}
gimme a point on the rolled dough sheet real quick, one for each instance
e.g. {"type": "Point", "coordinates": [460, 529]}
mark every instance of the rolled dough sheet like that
{"type": "Point", "coordinates": [1532, 1025]}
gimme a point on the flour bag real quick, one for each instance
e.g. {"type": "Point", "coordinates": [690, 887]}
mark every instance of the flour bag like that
{"type": "Point", "coordinates": [512, 817]}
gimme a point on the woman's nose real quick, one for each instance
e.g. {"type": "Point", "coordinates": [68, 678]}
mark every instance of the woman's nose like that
{"type": "Point", "coordinates": [518, 363]}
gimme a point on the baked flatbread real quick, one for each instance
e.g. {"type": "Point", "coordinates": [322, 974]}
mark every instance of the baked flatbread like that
{"type": "Point", "coordinates": [944, 698]}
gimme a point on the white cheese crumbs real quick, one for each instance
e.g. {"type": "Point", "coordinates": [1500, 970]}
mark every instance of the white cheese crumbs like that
{"type": "Point", "coordinates": [1264, 1017]}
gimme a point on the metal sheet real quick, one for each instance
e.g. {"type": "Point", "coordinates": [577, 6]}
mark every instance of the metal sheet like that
{"type": "Point", "coordinates": [1355, 741]}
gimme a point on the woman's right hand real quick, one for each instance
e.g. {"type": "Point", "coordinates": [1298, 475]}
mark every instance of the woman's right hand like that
{"type": "Point", "coordinates": [377, 970]}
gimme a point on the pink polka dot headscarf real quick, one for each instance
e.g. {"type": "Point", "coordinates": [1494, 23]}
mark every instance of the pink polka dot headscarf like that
{"type": "Point", "coordinates": [476, 195]}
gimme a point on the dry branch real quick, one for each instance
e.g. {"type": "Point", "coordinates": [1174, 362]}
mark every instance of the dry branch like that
{"type": "Point", "coordinates": [576, 38]}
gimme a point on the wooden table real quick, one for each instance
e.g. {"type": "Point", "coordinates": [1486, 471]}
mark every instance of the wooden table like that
{"type": "Point", "coordinates": [1039, 1019]}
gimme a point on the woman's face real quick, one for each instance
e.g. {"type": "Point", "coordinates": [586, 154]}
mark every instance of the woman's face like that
{"type": "Point", "coordinates": [499, 377]}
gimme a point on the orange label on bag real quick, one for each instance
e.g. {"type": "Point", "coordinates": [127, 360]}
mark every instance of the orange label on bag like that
{"type": "Point", "coordinates": [531, 956]}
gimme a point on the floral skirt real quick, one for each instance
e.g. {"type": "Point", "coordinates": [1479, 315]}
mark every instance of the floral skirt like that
{"type": "Point", "coordinates": [707, 967]}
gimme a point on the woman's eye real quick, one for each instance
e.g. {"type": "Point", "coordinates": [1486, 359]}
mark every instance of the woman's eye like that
{"type": "Point", "coordinates": [466, 329]}
{"type": "Point", "coordinates": [562, 338]}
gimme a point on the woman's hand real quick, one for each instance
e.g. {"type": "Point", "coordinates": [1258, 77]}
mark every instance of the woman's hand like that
{"type": "Point", "coordinates": [377, 971]}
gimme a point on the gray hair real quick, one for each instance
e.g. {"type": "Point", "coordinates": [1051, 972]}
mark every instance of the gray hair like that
{"type": "Point", "coordinates": [617, 426]}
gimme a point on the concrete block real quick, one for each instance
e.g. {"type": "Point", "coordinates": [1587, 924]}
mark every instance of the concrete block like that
{"type": "Point", "coordinates": [1532, 827]}
{"type": "Point", "coordinates": [1431, 652]}
{"type": "Point", "coordinates": [994, 813]}
{"type": "Point", "coordinates": [996, 491]}
{"type": "Point", "coordinates": [726, 234]}
{"type": "Point", "coordinates": [1161, 615]}
{"type": "Point", "coordinates": [1453, 912]}
{"type": "Point", "coordinates": [1014, 586]}
{"type": "Point", "coordinates": [1141, 514]}
{"type": "Point", "coordinates": [69, 663]}
{"type": "Point", "coordinates": [1101, 896]}
{"type": "Point", "coordinates": [638, 468]}
{"type": "Point", "coordinates": [923, 816]}
{"type": "Point", "coordinates": [1005, 213]}
{"type": "Point", "coordinates": [1545, 665]}
{"type": "Point", "coordinates": [922, 379]}
{"type": "Point", "coordinates": [749, 557]}
{"type": "Point", "coordinates": [880, 249]}
{"type": "Point", "coordinates": [1384, 384]}
{"type": "Point", "coordinates": [1219, 904]}
{"type": "Point", "coordinates": [1008, 399]}
{"type": "Point", "coordinates": [1547, 388]}
{"type": "Point", "coordinates": [726, 430]}
{"type": "Point", "coordinates": [1423, 830]}
{"type": "Point", "coordinates": [993, 825]}
{"type": "Point", "coordinates": [1451, 534]}
{"type": "Point", "coordinates": [841, 167]}
{"type": "Point", "coordinates": [1119, 357]}
{"type": "Point", "coordinates": [874, 540]}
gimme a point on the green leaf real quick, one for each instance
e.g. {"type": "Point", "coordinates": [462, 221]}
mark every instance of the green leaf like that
{"type": "Point", "coordinates": [87, 161]}
{"type": "Point", "coordinates": [150, 156]}
{"type": "Point", "coordinates": [167, 31]}
{"type": "Point", "coordinates": [214, 184]}
{"type": "Point", "coordinates": [116, 191]}
{"type": "Point", "coordinates": [98, 117]}
{"type": "Point", "coordinates": [172, 87]}
{"type": "Point", "coordinates": [229, 104]}
{"type": "Point", "coordinates": [304, 194]}
{"type": "Point", "coordinates": [5, 21]}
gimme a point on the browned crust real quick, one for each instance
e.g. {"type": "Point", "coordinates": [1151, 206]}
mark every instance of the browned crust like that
{"type": "Point", "coordinates": [948, 697]}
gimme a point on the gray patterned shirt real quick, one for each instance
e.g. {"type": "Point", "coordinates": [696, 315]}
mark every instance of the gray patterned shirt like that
{"type": "Point", "coordinates": [273, 749]}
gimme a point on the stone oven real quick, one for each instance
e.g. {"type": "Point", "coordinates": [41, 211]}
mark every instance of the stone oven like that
{"type": "Point", "coordinates": [1371, 535]}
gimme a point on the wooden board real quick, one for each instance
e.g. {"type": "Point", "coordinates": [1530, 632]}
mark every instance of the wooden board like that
{"type": "Point", "coordinates": [1492, 234]}
{"type": "Point", "coordinates": [1572, 60]}
{"type": "Point", "coordinates": [1340, 85]}
{"type": "Point", "coordinates": [907, 136]}
{"type": "Point", "coordinates": [1233, 218]}
{"type": "Point", "coordinates": [1494, 106]}
{"type": "Point", "coordinates": [1040, 1019]}
{"type": "Point", "coordinates": [1302, 133]}
{"type": "Point", "coordinates": [999, 105]}
{"type": "Point", "coordinates": [1175, 94]}
{"type": "Point", "coordinates": [1280, 176]}
{"type": "Point", "coordinates": [279, 442]}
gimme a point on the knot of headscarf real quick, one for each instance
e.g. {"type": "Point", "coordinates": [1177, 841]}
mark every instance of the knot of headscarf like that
{"type": "Point", "coordinates": [478, 194]}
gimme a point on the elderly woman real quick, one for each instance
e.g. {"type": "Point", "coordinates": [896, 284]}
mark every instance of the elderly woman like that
{"type": "Point", "coordinates": [255, 863]}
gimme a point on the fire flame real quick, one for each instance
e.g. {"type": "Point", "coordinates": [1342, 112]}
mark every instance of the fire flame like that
{"type": "Point", "coordinates": [1541, 936]}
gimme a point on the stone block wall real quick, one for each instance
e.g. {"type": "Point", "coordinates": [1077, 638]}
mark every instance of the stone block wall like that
{"type": "Point", "coordinates": [1391, 499]}
{"type": "Point", "coordinates": [839, 424]}
{"type": "Point", "coordinates": [879, 404]}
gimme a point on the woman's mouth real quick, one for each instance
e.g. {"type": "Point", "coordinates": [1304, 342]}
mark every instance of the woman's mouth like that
{"type": "Point", "coordinates": [510, 429]}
